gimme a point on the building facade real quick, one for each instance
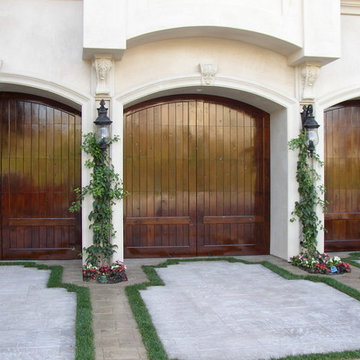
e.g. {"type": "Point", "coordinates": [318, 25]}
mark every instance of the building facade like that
{"type": "Point", "coordinates": [205, 96]}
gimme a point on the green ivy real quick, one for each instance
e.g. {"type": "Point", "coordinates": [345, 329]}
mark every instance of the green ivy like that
{"type": "Point", "coordinates": [311, 194]}
{"type": "Point", "coordinates": [105, 188]}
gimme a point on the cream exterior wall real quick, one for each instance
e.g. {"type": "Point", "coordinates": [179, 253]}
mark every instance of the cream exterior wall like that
{"type": "Point", "coordinates": [43, 39]}
{"type": "Point", "coordinates": [181, 58]}
{"type": "Point", "coordinates": [47, 47]}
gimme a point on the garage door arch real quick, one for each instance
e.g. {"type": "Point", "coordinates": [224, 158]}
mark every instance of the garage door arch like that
{"type": "Point", "coordinates": [197, 169]}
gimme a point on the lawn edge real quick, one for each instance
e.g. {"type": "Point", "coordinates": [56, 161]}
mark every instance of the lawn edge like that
{"type": "Point", "coordinates": [353, 256]}
{"type": "Point", "coordinates": [151, 340]}
{"type": "Point", "coordinates": [84, 335]}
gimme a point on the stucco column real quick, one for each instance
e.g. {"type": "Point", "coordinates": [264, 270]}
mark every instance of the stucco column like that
{"type": "Point", "coordinates": [117, 160]}
{"type": "Point", "coordinates": [284, 235]}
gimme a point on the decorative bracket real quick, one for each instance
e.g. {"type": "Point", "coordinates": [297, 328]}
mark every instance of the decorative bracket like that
{"type": "Point", "coordinates": [208, 72]}
{"type": "Point", "coordinates": [309, 75]}
{"type": "Point", "coordinates": [103, 66]}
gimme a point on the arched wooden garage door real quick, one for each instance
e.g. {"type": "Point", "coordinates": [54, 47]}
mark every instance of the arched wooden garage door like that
{"type": "Point", "coordinates": [40, 167]}
{"type": "Point", "coordinates": [197, 170]}
{"type": "Point", "coordinates": [342, 176]}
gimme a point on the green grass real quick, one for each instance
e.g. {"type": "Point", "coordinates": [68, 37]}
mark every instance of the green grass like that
{"type": "Point", "coordinates": [353, 256]}
{"type": "Point", "coordinates": [151, 339]}
{"type": "Point", "coordinates": [148, 333]}
{"type": "Point", "coordinates": [84, 347]}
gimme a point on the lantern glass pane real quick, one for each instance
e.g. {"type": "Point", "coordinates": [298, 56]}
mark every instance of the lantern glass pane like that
{"type": "Point", "coordinates": [312, 135]}
{"type": "Point", "coordinates": [103, 132]}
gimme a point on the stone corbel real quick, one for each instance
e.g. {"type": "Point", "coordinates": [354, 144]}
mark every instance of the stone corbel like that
{"type": "Point", "coordinates": [309, 75]}
{"type": "Point", "coordinates": [208, 72]}
{"type": "Point", "coordinates": [103, 66]}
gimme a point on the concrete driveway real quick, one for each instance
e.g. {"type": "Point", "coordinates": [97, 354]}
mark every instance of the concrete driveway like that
{"type": "Point", "coordinates": [196, 297]}
{"type": "Point", "coordinates": [233, 311]}
{"type": "Point", "coordinates": [37, 323]}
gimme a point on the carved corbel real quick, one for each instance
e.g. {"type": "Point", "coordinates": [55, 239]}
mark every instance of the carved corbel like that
{"type": "Point", "coordinates": [103, 66]}
{"type": "Point", "coordinates": [208, 72]}
{"type": "Point", "coordinates": [309, 75]}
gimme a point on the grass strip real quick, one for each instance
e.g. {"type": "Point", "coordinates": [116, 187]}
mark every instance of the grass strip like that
{"type": "Point", "coordinates": [152, 342]}
{"type": "Point", "coordinates": [84, 336]}
{"type": "Point", "coordinates": [351, 259]}
{"type": "Point", "coordinates": [336, 356]}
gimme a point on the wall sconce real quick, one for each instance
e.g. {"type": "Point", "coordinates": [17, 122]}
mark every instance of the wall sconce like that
{"type": "Point", "coordinates": [102, 123]}
{"type": "Point", "coordinates": [311, 128]}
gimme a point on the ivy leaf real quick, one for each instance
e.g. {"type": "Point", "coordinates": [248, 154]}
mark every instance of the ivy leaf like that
{"type": "Point", "coordinates": [310, 193]}
{"type": "Point", "coordinates": [105, 187]}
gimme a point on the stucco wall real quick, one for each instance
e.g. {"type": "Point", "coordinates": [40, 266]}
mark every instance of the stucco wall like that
{"type": "Point", "coordinates": [278, 19]}
{"type": "Point", "coordinates": [342, 74]}
{"type": "Point", "coordinates": [43, 39]}
{"type": "Point", "coordinates": [181, 57]}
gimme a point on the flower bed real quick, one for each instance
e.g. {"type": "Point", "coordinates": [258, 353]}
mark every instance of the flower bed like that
{"type": "Point", "coordinates": [105, 274]}
{"type": "Point", "coordinates": [321, 263]}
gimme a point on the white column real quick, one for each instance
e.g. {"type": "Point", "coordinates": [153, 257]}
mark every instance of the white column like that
{"type": "Point", "coordinates": [117, 160]}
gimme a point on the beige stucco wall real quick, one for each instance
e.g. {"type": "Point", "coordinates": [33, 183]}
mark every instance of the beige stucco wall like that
{"type": "Point", "coordinates": [43, 39]}
{"type": "Point", "coordinates": [182, 57]}
{"type": "Point", "coordinates": [342, 75]}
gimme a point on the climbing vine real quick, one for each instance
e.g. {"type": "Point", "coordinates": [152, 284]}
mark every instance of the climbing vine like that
{"type": "Point", "coordinates": [105, 187]}
{"type": "Point", "coordinates": [310, 193]}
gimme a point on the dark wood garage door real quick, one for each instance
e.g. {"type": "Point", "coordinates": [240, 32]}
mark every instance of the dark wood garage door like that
{"type": "Point", "coordinates": [40, 167]}
{"type": "Point", "coordinates": [342, 176]}
{"type": "Point", "coordinates": [198, 175]}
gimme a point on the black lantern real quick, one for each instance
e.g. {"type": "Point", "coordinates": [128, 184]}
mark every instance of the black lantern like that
{"type": "Point", "coordinates": [103, 125]}
{"type": "Point", "coordinates": [311, 128]}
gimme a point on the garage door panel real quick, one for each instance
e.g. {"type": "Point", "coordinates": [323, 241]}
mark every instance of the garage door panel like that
{"type": "Point", "coordinates": [231, 231]}
{"type": "Point", "coordinates": [207, 166]}
{"type": "Point", "coordinates": [159, 174]}
{"type": "Point", "coordinates": [342, 164]}
{"type": "Point", "coordinates": [40, 168]}
{"type": "Point", "coordinates": [238, 188]}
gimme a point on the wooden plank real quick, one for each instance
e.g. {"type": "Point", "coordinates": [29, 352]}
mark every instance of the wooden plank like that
{"type": "Point", "coordinates": [157, 151]}
{"type": "Point", "coordinates": [227, 174]}
{"type": "Point", "coordinates": [42, 221]}
{"type": "Point", "coordinates": [172, 206]}
{"type": "Point", "coordinates": [342, 216]}
{"type": "Point", "coordinates": [164, 206]}
{"type": "Point", "coordinates": [150, 167]}
{"type": "Point", "coordinates": [191, 172]}
{"type": "Point", "coordinates": [232, 219]}
{"type": "Point", "coordinates": [142, 173]}
{"type": "Point", "coordinates": [158, 220]}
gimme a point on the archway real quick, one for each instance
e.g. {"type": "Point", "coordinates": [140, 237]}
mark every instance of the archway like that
{"type": "Point", "coordinates": [284, 125]}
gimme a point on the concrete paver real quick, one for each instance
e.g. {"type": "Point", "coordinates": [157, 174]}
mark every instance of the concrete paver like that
{"type": "Point", "coordinates": [37, 323]}
{"type": "Point", "coordinates": [248, 312]}
{"type": "Point", "coordinates": [116, 333]}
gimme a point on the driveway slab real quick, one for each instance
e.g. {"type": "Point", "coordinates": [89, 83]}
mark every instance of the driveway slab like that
{"type": "Point", "coordinates": [37, 323]}
{"type": "Point", "coordinates": [231, 311]}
